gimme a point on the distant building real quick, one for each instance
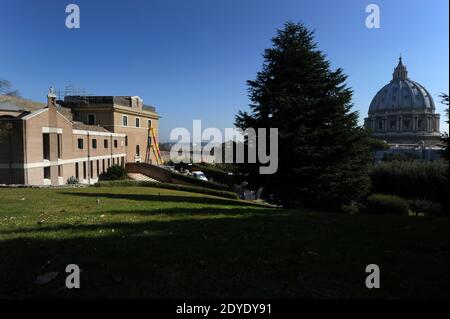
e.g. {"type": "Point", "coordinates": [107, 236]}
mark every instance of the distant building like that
{"type": "Point", "coordinates": [80, 136]}
{"type": "Point", "coordinates": [403, 113]}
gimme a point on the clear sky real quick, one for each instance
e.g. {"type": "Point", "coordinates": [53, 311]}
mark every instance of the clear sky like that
{"type": "Point", "coordinates": [191, 58]}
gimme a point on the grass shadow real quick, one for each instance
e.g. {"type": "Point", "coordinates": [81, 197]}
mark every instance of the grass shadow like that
{"type": "Point", "coordinates": [260, 256]}
{"type": "Point", "coordinates": [216, 201]}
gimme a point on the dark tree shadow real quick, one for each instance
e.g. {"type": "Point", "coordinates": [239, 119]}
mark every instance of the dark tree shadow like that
{"type": "Point", "coordinates": [253, 255]}
{"type": "Point", "coordinates": [169, 198]}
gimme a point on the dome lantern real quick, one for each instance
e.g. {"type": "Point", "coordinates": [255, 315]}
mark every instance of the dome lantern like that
{"type": "Point", "coordinates": [400, 72]}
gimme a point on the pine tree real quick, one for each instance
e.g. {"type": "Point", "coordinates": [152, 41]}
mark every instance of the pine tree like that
{"type": "Point", "coordinates": [323, 156]}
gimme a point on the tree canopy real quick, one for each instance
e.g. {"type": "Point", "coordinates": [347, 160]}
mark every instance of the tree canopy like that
{"type": "Point", "coordinates": [323, 152]}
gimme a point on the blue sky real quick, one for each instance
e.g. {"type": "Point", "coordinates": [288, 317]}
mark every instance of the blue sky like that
{"type": "Point", "coordinates": [191, 58]}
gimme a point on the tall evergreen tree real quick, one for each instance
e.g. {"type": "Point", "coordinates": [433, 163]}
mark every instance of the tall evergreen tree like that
{"type": "Point", "coordinates": [323, 157]}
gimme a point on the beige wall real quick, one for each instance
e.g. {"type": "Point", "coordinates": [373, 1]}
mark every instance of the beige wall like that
{"type": "Point", "coordinates": [103, 116]}
{"type": "Point", "coordinates": [111, 118]}
{"type": "Point", "coordinates": [137, 136]}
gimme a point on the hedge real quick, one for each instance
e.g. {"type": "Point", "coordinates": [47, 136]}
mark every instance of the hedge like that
{"type": "Point", "coordinates": [193, 189]}
{"type": "Point", "coordinates": [115, 172]}
{"type": "Point", "coordinates": [380, 204]}
{"type": "Point", "coordinates": [412, 180]}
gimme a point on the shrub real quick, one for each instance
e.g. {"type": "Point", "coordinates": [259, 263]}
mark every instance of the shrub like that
{"type": "Point", "coordinates": [115, 172]}
{"type": "Point", "coordinates": [387, 204]}
{"type": "Point", "coordinates": [412, 180]}
{"type": "Point", "coordinates": [72, 180]}
{"type": "Point", "coordinates": [352, 208]}
{"type": "Point", "coordinates": [193, 189]}
{"type": "Point", "coordinates": [429, 208]}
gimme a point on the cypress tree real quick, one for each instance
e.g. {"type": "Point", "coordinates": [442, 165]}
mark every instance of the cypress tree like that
{"type": "Point", "coordinates": [323, 154]}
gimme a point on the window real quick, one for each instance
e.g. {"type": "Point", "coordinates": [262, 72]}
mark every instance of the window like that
{"type": "Point", "coordinates": [124, 120]}
{"type": "Point", "coordinates": [80, 144]}
{"type": "Point", "coordinates": [46, 146]}
{"type": "Point", "coordinates": [98, 167]}
{"type": "Point", "coordinates": [77, 171]}
{"type": "Point", "coordinates": [91, 170]}
{"type": "Point", "coordinates": [109, 162]}
{"type": "Point", "coordinates": [94, 143]}
{"type": "Point", "coordinates": [138, 122]}
{"type": "Point", "coordinates": [393, 125]}
{"type": "Point", "coordinates": [84, 170]}
{"type": "Point", "coordinates": [59, 140]}
{"type": "Point", "coordinates": [59, 171]}
{"type": "Point", "coordinates": [103, 165]}
{"type": "Point", "coordinates": [406, 124]}
{"type": "Point", "coordinates": [149, 122]}
{"type": "Point", "coordinates": [105, 143]}
{"type": "Point", "coordinates": [115, 143]}
{"type": "Point", "coordinates": [47, 172]}
{"type": "Point", "coordinates": [126, 140]}
{"type": "Point", "coordinates": [138, 150]}
{"type": "Point", "coordinates": [91, 119]}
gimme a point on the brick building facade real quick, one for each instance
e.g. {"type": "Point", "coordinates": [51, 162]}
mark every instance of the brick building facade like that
{"type": "Point", "coordinates": [78, 137]}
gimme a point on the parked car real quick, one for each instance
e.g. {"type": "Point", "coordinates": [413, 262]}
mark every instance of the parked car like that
{"type": "Point", "coordinates": [199, 175]}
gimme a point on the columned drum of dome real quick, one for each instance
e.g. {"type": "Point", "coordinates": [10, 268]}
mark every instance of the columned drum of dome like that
{"type": "Point", "coordinates": [403, 112]}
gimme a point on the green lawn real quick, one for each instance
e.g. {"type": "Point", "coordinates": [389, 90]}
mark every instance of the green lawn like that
{"type": "Point", "coordinates": [155, 243]}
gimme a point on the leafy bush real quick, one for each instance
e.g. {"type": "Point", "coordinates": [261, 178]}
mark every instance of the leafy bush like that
{"type": "Point", "coordinates": [412, 180]}
{"type": "Point", "coordinates": [193, 189]}
{"type": "Point", "coordinates": [72, 180]}
{"type": "Point", "coordinates": [429, 208]}
{"type": "Point", "coordinates": [387, 204]}
{"type": "Point", "coordinates": [115, 172]}
{"type": "Point", "coordinates": [352, 208]}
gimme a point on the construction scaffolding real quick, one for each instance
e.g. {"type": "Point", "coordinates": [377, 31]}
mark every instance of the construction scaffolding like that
{"type": "Point", "coordinates": [73, 95]}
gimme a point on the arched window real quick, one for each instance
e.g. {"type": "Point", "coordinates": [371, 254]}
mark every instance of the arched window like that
{"type": "Point", "coordinates": [138, 151]}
